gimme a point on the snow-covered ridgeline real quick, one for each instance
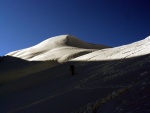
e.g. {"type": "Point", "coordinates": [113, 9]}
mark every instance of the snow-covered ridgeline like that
{"type": "Point", "coordinates": [61, 48]}
{"type": "Point", "coordinates": [135, 49]}
{"type": "Point", "coordinates": [66, 47]}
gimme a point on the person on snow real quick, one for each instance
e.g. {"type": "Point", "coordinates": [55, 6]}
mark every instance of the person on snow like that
{"type": "Point", "coordinates": [72, 69]}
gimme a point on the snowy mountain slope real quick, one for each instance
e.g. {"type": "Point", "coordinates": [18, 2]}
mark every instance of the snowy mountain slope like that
{"type": "Point", "coordinates": [46, 54]}
{"type": "Point", "coordinates": [55, 90]}
{"type": "Point", "coordinates": [100, 85]}
{"type": "Point", "coordinates": [60, 48]}
{"type": "Point", "coordinates": [126, 51]}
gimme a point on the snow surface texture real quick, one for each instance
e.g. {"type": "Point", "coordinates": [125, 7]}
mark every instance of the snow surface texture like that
{"type": "Point", "coordinates": [66, 47]}
{"type": "Point", "coordinates": [60, 48]}
{"type": "Point", "coordinates": [126, 51]}
{"type": "Point", "coordinates": [110, 80]}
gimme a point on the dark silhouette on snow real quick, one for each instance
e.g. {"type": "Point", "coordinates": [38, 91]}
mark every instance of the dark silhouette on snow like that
{"type": "Point", "coordinates": [72, 69]}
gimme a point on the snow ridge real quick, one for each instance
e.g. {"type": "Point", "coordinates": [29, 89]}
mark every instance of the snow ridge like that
{"type": "Point", "coordinates": [53, 48]}
{"type": "Point", "coordinates": [66, 47]}
{"type": "Point", "coordinates": [135, 49]}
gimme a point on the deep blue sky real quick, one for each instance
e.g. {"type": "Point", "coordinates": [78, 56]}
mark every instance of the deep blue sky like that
{"type": "Point", "coordinates": [24, 23]}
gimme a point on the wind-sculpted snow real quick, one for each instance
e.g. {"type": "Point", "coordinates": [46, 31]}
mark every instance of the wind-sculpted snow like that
{"type": "Point", "coordinates": [60, 48]}
{"type": "Point", "coordinates": [65, 47]}
{"type": "Point", "coordinates": [126, 51]}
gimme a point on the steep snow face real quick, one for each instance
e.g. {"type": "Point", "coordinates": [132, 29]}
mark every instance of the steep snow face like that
{"type": "Point", "coordinates": [138, 48]}
{"type": "Point", "coordinates": [60, 48]}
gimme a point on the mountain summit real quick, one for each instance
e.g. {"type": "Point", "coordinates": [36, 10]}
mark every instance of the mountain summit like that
{"type": "Point", "coordinates": [53, 49]}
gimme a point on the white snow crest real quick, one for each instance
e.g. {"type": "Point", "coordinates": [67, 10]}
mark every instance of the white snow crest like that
{"type": "Point", "coordinates": [64, 47]}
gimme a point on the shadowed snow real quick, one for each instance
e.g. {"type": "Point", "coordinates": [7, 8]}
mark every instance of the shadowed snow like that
{"type": "Point", "coordinates": [106, 80]}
